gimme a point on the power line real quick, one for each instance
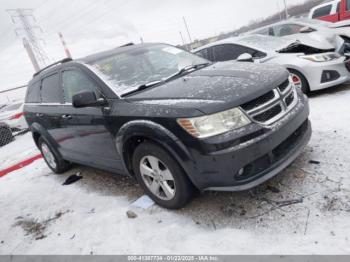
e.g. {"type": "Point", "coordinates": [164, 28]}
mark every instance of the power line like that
{"type": "Point", "coordinates": [27, 28]}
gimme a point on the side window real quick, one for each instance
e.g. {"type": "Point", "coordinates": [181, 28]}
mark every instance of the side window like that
{"type": "Point", "coordinates": [264, 31]}
{"type": "Point", "coordinates": [50, 90]}
{"type": "Point", "coordinates": [322, 11]}
{"type": "Point", "coordinates": [231, 52]}
{"type": "Point", "coordinates": [227, 52]}
{"type": "Point", "coordinates": [74, 81]}
{"type": "Point", "coordinates": [338, 7]}
{"type": "Point", "coordinates": [33, 93]}
{"type": "Point", "coordinates": [347, 5]}
{"type": "Point", "coordinates": [287, 29]}
{"type": "Point", "coordinates": [204, 53]}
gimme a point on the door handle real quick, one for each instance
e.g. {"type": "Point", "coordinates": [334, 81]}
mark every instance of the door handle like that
{"type": "Point", "coordinates": [67, 117]}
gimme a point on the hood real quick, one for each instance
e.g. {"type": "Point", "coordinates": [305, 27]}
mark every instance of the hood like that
{"type": "Point", "coordinates": [318, 40]}
{"type": "Point", "coordinates": [215, 88]}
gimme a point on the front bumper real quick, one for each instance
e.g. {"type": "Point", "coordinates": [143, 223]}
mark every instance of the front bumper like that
{"type": "Point", "coordinates": [248, 164]}
{"type": "Point", "coordinates": [313, 71]}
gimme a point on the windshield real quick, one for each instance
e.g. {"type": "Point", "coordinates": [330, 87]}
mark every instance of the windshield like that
{"type": "Point", "coordinates": [131, 69]}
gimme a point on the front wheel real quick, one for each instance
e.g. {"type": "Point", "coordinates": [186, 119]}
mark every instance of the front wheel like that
{"type": "Point", "coordinates": [161, 177]}
{"type": "Point", "coordinates": [299, 81]}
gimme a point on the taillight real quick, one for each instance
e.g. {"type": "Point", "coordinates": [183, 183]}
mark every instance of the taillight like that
{"type": "Point", "coordinates": [16, 116]}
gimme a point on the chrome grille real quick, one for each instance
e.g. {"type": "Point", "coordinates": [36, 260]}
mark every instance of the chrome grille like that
{"type": "Point", "coordinates": [273, 105]}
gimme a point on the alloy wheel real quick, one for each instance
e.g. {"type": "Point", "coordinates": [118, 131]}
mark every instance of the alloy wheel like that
{"type": "Point", "coordinates": [296, 80]}
{"type": "Point", "coordinates": [48, 155]}
{"type": "Point", "coordinates": [157, 177]}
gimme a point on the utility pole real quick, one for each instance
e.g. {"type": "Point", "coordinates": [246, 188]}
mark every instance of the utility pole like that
{"type": "Point", "coordinates": [65, 47]}
{"type": "Point", "coordinates": [182, 38]}
{"type": "Point", "coordinates": [26, 27]}
{"type": "Point", "coordinates": [279, 10]}
{"type": "Point", "coordinates": [31, 55]}
{"type": "Point", "coordinates": [286, 9]}
{"type": "Point", "coordinates": [188, 31]}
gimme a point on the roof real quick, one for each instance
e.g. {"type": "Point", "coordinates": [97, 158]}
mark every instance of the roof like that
{"type": "Point", "coordinates": [114, 51]}
{"type": "Point", "coordinates": [259, 42]}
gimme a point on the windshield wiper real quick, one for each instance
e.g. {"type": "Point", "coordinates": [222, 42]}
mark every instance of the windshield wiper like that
{"type": "Point", "coordinates": [185, 70]}
{"type": "Point", "coordinates": [142, 87]}
{"type": "Point", "coordinates": [178, 73]}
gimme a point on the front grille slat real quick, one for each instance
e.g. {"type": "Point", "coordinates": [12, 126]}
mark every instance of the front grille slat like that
{"type": "Point", "coordinates": [259, 101]}
{"type": "Point", "coordinates": [269, 114]}
{"type": "Point", "coordinates": [272, 105]}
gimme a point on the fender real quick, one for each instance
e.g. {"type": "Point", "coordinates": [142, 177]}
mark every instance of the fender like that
{"type": "Point", "coordinates": [157, 133]}
{"type": "Point", "coordinates": [37, 128]}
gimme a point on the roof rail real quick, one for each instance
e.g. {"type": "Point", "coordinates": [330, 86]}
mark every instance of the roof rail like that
{"type": "Point", "coordinates": [65, 60]}
{"type": "Point", "coordinates": [128, 44]}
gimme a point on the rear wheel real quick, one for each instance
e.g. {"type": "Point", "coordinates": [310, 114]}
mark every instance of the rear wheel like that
{"type": "Point", "coordinates": [161, 177]}
{"type": "Point", "coordinates": [299, 81]}
{"type": "Point", "coordinates": [52, 159]}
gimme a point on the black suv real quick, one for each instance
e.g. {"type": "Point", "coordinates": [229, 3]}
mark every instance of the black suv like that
{"type": "Point", "coordinates": [170, 118]}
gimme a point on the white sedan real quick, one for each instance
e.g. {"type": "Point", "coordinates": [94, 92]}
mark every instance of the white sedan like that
{"type": "Point", "coordinates": [310, 68]}
{"type": "Point", "coordinates": [13, 116]}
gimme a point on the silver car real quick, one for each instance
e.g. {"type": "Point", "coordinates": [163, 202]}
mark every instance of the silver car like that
{"type": "Point", "coordinates": [315, 32]}
{"type": "Point", "coordinates": [310, 68]}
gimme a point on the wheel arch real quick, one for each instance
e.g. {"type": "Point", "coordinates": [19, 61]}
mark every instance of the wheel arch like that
{"type": "Point", "coordinates": [136, 132]}
{"type": "Point", "coordinates": [39, 131]}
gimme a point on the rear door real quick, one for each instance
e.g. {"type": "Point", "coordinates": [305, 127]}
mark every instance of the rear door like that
{"type": "Point", "coordinates": [226, 52]}
{"type": "Point", "coordinates": [87, 136]}
{"type": "Point", "coordinates": [47, 113]}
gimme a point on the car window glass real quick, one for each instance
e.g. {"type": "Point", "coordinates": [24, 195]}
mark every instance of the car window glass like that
{"type": "Point", "coordinates": [74, 81]}
{"type": "Point", "coordinates": [126, 71]}
{"type": "Point", "coordinates": [50, 90]}
{"type": "Point", "coordinates": [347, 5]}
{"type": "Point", "coordinates": [287, 29]}
{"type": "Point", "coordinates": [33, 93]}
{"type": "Point", "coordinates": [204, 53]}
{"type": "Point", "coordinates": [322, 11]}
{"type": "Point", "coordinates": [264, 31]}
{"type": "Point", "coordinates": [338, 7]}
{"type": "Point", "coordinates": [227, 52]}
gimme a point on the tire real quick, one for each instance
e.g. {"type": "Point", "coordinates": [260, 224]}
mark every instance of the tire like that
{"type": "Point", "coordinates": [304, 84]}
{"type": "Point", "coordinates": [5, 136]}
{"type": "Point", "coordinates": [54, 161]}
{"type": "Point", "coordinates": [171, 194]}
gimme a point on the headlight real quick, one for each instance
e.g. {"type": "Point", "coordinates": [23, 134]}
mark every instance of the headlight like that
{"type": "Point", "coordinates": [211, 125]}
{"type": "Point", "coordinates": [321, 57]}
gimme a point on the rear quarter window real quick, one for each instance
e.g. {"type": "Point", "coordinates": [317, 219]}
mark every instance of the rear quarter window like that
{"type": "Point", "coordinates": [203, 53]}
{"type": "Point", "coordinates": [33, 93]}
{"type": "Point", "coordinates": [322, 11]}
{"type": "Point", "coordinates": [51, 92]}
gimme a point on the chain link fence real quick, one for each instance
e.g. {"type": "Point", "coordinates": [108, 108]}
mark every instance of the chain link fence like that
{"type": "Point", "coordinates": [12, 121]}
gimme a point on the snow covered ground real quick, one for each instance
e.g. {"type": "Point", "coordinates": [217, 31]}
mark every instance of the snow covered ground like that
{"type": "Point", "coordinates": [306, 209]}
{"type": "Point", "coordinates": [21, 148]}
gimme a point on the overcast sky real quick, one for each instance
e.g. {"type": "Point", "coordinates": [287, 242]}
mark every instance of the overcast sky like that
{"type": "Point", "coordinates": [94, 25]}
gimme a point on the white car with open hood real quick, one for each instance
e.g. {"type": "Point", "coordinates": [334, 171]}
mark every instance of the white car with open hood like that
{"type": "Point", "coordinates": [313, 32]}
{"type": "Point", "coordinates": [311, 68]}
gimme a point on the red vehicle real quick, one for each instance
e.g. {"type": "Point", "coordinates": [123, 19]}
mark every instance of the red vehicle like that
{"type": "Point", "coordinates": [333, 11]}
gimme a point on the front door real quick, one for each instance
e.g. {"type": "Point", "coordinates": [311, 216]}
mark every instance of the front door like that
{"type": "Point", "coordinates": [87, 136]}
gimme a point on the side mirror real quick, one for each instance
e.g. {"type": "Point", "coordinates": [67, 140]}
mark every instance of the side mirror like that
{"type": "Point", "coordinates": [306, 30]}
{"type": "Point", "coordinates": [86, 99]}
{"type": "Point", "coordinates": [245, 58]}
